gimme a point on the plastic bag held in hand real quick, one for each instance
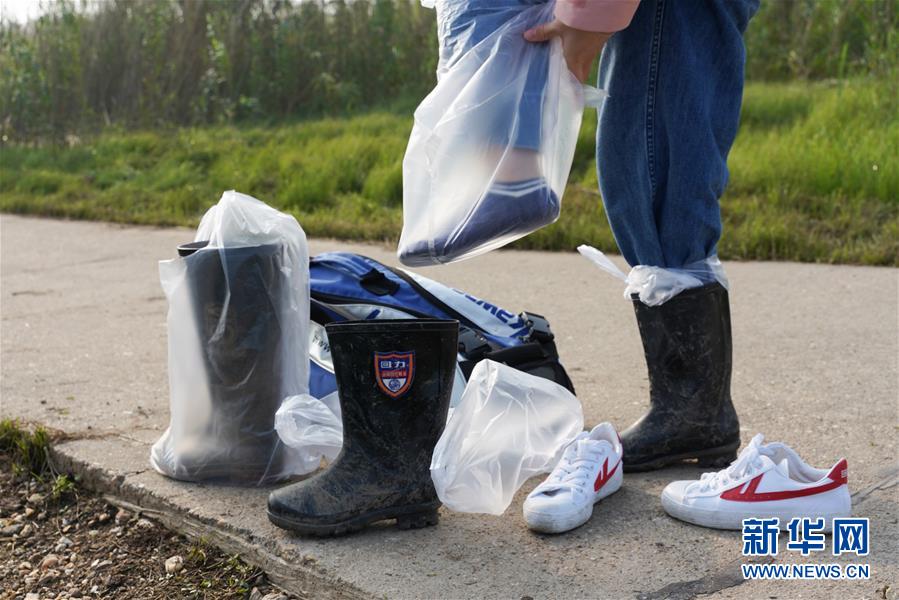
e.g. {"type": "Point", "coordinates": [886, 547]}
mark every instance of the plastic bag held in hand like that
{"type": "Point", "coordinates": [509, 427]}
{"type": "Point", "coordinates": [492, 144]}
{"type": "Point", "coordinates": [238, 323]}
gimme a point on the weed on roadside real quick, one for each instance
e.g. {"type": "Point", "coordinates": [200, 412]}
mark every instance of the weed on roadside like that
{"type": "Point", "coordinates": [28, 450]}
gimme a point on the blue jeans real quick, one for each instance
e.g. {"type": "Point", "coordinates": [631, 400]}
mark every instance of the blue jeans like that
{"type": "Point", "coordinates": [675, 84]}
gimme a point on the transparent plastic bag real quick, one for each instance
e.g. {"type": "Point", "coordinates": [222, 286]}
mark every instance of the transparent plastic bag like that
{"type": "Point", "coordinates": [657, 285]}
{"type": "Point", "coordinates": [509, 427]}
{"type": "Point", "coordinates": [492, 144]}
{"type": "Point", "coordinates": [237, 337]}
{"type": "Point", "coordinates": [312, 427]}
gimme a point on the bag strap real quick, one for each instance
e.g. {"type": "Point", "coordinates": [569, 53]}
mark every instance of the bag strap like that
{"type": "Point", "coordinates": [446, 308]}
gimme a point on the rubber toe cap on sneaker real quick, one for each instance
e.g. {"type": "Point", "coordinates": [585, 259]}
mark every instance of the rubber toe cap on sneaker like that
{"type": "Point", "coordinates": [548, 503]}
{"type": "Point", "coordinates": [675, 493]}
{"type": "Point", "coordinates": [560, 503]}
{"type": "Point", "coordinates": [553, 518]}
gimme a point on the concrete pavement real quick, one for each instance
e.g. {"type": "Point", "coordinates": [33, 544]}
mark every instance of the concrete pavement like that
{"type": "Point", "coordinates": [815, 354]}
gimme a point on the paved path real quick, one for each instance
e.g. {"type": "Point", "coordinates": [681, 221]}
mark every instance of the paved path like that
{"type": "Point", "coordinates": [84, 351]}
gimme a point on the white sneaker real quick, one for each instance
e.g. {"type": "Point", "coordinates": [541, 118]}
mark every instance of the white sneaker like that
{"type": "Point", "coordinates": [589, 470]}
{"type": "Point", "coordinates": [766, 480]}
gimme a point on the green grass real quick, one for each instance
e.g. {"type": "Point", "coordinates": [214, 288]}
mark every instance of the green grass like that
{"type": "Point", "coordinates": [814, 176]}
{"type": "Point", "coordinates": [28, 449]}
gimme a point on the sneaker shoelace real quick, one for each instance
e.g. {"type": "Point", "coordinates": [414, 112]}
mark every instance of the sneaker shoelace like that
{"type": "Point", "coordinates": [575, 467]}
{"type": "Point", "coordinates": [748, 462]}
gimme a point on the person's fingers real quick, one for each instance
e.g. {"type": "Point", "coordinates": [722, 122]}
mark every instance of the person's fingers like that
{"type": "Point", "coordinates": [544, 32]}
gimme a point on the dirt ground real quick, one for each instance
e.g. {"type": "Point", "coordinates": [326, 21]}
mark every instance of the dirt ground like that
{"type": "Point", "coordinates": [59, 541]}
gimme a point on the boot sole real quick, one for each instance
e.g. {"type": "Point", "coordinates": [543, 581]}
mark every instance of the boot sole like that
{"type": "Point", "coordinates": [228, 475]}
{"type": "Point", "coordinates": [719, 457]}
{"type": "Point", "coordinates": [407, 517]}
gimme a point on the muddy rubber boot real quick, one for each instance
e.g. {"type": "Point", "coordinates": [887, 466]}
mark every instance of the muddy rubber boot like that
{"type": "Point", "coordinates": [687, 344]}
{"type": "Point", "coordinates": [234, 294]}
{"type": "Point", "coordinates": [394, 379]}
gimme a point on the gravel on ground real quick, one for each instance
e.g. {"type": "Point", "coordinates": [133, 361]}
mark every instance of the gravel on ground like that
{"type": "Point", "coordinates": [59, 541]}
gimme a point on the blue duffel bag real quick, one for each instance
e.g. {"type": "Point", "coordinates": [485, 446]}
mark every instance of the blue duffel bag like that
{"type": "Point", "coordinates": [346, 286]}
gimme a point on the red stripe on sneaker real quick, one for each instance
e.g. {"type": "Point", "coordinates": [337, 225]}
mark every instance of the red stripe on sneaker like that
{"type": "Point", "coordinates": [604, 475]}
{"type": "Point", "coordinates": [750, 495]}
{"type": "Point", "coordinates": [840, 471]}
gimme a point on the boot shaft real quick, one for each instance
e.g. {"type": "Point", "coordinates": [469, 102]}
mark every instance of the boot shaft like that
{"type": "Point", "coordinates": [234, 293]}
{"type": "Point", "coordinates": [395, 380]}
{"type": "Point", "coordinates": [688, 348]}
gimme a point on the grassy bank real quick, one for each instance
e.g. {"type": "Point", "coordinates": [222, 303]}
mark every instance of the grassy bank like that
{"type": "Point", "coordinates": [813, 176]}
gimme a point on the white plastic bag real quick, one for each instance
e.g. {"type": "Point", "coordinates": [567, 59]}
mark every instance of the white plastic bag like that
{"type": "Point", "coordinates": [312, 427]}
{"type": "Point", "coordinates": [237, 330]}
{"type": "Point", "coordinates": [509, 427]}
{"type": "Point", "coordinates": [656, 285]}
{"type": "Point", "coordinates": [492, 144]}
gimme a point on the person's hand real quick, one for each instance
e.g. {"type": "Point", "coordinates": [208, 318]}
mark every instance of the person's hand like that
{"type": "Point", "coordinates": [581, 47]}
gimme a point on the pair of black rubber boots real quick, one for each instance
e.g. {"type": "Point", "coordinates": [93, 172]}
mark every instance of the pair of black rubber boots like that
{"type": "Point", "coordinates": [394, 380]}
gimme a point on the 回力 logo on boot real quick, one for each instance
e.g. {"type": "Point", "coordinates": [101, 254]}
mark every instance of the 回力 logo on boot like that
{"type": "Point", "coordinates": [394, 372]}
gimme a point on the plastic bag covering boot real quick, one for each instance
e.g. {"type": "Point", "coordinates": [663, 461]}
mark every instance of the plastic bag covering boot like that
{"type": "Point", "coordinates": [237, 311]}
{"type": "Point", "coordinates": [394, 380]}
{"type": "Point", "coordinates": [687, 344]}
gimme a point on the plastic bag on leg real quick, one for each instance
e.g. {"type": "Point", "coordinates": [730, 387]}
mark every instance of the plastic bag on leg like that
{"type": "Point", "coordinates": [509, 427]}
{"type": "Point", "coordinates": [656, 285]}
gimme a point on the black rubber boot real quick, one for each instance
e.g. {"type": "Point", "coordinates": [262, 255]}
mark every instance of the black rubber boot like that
{"type": "Point", "coordinates": [235, 294]}
{"type": "Point", "coordinates": [394, 379]}
{"type": "Point", "coordinates": [687, 344]}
